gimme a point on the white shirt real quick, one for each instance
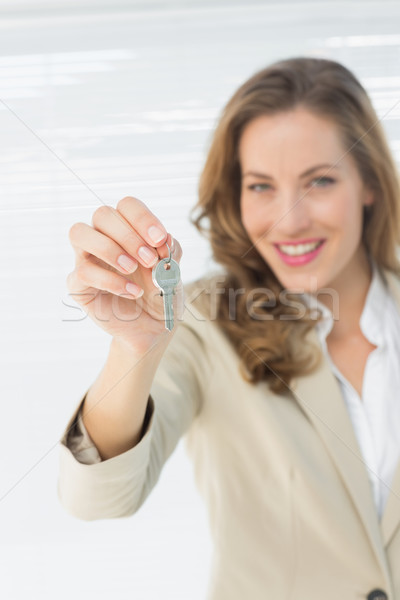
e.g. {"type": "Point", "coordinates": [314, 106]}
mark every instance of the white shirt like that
{"type": "Point", "coordinates": [376, 415]}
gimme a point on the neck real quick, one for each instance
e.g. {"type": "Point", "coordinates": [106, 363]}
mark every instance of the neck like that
{"type": "Point", "coordinates": [351, 288]}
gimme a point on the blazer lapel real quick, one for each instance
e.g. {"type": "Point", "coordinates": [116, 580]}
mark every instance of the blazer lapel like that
{"type": "Point", "coordinates": [320, 397]}
{"type": "Point", "coordinates": [391, 515]}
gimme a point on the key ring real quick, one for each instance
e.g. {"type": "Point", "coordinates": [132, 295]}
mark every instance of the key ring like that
{"type": "Point", "coordinates": [170, 253]}
{"type": "Point", "coordinates": [167, 260]}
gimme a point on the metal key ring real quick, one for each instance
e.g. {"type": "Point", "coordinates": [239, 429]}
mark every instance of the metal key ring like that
{"type": "Point", "coordinates": [166, 260]}
{"type": "Point", "coordinates": [170, 253]}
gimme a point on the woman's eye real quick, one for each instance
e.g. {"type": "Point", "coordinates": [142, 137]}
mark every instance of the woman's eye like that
{"type": "Point", "coordinates": [316, 182]}
{"type": "Point", "coordinates": [322, 181]}
{"type": "Point", "coordinates": [259, 187]}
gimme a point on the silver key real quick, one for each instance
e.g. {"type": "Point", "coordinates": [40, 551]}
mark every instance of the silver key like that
{"type": "Point", "coordinates": [166, 276]}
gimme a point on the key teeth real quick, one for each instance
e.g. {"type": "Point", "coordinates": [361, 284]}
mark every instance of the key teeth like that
{"type": "Point", "coordinates": [161, 282]}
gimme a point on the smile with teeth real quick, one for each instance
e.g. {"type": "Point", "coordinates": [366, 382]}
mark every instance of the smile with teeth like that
{"type": "Point", "coordinates": [299, 249]}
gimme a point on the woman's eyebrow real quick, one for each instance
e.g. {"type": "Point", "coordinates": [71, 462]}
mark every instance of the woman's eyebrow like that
{"type": "Point", "coordinates": [305, 174]}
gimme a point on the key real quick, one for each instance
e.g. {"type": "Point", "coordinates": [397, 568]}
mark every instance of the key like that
{"type": "Point", "coordinates": [166, 276]}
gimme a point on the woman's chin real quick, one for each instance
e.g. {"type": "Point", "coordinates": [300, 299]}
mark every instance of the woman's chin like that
{"type": "Point", "coordinates": [303, 283]}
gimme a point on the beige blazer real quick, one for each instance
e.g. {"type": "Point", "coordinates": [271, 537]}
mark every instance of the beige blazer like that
{"type": "Point", "coordinates": [290, 505]}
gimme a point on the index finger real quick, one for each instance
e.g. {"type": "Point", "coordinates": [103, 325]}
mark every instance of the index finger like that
{"type": "Point", "coordinates": [143, 221]}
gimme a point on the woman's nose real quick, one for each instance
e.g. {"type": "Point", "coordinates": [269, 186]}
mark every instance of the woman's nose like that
{"type": "Point", "coordinates": [293, 216]}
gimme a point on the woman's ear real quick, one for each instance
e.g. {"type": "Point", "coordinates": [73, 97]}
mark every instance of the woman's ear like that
{"type": "Point", "coordinates": [369, 197]}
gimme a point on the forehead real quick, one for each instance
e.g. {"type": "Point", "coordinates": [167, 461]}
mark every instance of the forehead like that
{"type": "Point", "coordinates": [296, 137]}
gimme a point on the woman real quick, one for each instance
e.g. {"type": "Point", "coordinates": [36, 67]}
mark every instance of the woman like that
{"type": "Point", "coordinates": [289, 413]}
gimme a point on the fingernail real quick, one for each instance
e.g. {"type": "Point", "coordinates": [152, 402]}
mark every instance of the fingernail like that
{"type": "Point", "coordinates": [147, 255]}
{"type": "Point", "coordinates": [134, 289]}
{"type": "Point", "coordinates": [127, 263]}
{"type": "Point", "coordinates": [156, 234]}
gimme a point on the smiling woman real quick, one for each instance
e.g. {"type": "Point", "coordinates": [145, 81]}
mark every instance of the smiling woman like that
{"type": "Point", "coordinates": [292, 422]}
{"type": "Point", "coordinates": [304, 223]}
{"type": "Point", "coordinates": [299, 188]}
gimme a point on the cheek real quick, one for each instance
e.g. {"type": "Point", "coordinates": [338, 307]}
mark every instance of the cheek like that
{"type": "Point", "coordinates": [246, 215]}
{"type": "Point", "coordinates": [342, 214]}
{"type": "Point", "coordinates": [254, 220]}
{"type": "Point", "coordinates": [346, 216]}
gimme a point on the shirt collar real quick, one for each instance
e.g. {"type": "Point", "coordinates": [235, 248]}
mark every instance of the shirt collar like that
{"type": "Point", "coordinates": [372, 316]}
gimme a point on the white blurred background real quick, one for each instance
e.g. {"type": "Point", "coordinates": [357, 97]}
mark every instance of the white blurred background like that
{"type": "Point", "coordinates": [99, 100]}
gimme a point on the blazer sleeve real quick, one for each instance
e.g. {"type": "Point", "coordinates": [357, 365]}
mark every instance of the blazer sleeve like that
{"type": "Point", "coordinates": [89, 488]}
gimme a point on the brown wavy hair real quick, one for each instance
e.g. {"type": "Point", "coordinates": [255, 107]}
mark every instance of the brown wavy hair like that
{"type": "Point", "coordinates": [275, 350]}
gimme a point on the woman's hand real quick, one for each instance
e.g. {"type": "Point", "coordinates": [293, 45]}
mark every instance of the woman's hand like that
{"type": "Point", "coordinates": [134, 236]}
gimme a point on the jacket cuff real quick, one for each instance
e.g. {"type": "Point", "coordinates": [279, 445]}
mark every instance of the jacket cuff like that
{"type": "Point", "coordinates": [84, 494]}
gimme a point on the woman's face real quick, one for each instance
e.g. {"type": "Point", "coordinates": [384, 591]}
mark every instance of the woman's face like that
{"type": "Point", "coordinates": [286, 211]}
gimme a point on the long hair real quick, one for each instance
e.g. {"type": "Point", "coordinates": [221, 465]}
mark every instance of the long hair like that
{"type": "Point", "coordinates": [273, 348]}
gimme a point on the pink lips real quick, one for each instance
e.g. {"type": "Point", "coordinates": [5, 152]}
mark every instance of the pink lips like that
{"type": "Point", "coordinates": [308, 241]}
{"type": "Point", "coordinates": [303, 258]}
